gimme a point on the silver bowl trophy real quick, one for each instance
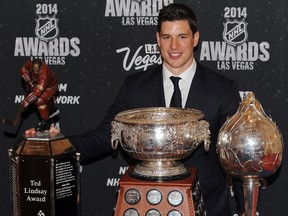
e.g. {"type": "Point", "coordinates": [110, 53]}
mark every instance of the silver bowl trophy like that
{"type": "Point", "coordinates": [160, 184]}
{"type": "Point", "coordinates": [160, 137]}
{"type": "Point", "coordinates": [250, 147]}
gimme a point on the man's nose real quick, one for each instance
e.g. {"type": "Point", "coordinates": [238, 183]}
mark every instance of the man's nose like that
{"type": "Point", "coordinates": [174, 43]}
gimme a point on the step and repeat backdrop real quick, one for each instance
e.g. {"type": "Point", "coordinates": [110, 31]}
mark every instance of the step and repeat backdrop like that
{"type": "Point", "coordinates": [93, 45]}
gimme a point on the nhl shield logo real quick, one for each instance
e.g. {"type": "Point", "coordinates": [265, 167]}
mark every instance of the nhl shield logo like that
{"type": "Point", "coordinates": [235, 32]}
{"type": "Point", "coordinates": [46, 28]}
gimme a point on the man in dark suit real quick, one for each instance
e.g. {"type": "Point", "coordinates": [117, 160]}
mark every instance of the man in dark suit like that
{"type": "Point", "coordinates": [201, 88]}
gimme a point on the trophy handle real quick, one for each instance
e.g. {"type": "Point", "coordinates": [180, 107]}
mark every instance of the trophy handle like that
{"type": "Point", "coordinates": [114, 144]}
{"type": "Point", "coordinates": [116, 134]}
{"type": "Point", "coordinates": [204, 134]}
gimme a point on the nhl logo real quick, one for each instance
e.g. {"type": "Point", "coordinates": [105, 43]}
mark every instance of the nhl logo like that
{"type": "Point", "coordinates": [46, 28]}
{"type": "Point", "coordinates": [235, 32]}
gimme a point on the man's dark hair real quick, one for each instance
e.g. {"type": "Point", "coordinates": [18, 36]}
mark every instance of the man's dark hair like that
{"type": "Point", "coordinates": [176, 12]}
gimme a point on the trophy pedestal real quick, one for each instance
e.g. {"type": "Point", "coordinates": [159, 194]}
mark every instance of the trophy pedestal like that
{"type": "Point", "coordinates": [160, 171]}
{"type": "Point", "coordinates": [44, 176]}
{"type": "Point", "coordinates": [140, 197]}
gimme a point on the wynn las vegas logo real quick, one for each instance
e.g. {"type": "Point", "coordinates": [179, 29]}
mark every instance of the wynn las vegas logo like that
{"type": "Point", "coordinates": [46, 28]}
{"type": "Point", "coordinates": [235, 32]}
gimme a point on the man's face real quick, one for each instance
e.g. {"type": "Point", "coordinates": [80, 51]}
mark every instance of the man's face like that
{"type": "Point", "coordinates": [176, 42]}
{"type": "Point", "coordinates": [36, 68]}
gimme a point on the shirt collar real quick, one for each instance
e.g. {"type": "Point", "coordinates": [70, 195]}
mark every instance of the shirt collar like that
{"type": "Point", "coordinates": [186, 75]}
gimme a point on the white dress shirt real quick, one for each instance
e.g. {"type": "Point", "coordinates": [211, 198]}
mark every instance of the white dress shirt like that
{"type": "Point", "coordinates": [184, 83]}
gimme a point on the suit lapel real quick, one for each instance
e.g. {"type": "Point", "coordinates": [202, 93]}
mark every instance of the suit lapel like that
{"type": "Point", "coordinates": [196, 92]}
{"type": "Point", "coordinates": [197, 89]}
{"type": "Point", "coordinates": [156, 88]}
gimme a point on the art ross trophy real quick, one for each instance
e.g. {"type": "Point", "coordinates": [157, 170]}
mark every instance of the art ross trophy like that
{"type": "Point", "coordinates": [160, 184]}
{"type": "Point", "coordinates": [250, 147]}
{"type": "Point", "coordinates": [160, 137]}
{"type": "Point", "coordinates": [44, 167]}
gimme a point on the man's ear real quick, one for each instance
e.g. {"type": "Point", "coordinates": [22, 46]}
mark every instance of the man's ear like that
{"type": "Point", "coordinates": [196, 37]}
{"type": "Point", "coordinates": [158, 38]}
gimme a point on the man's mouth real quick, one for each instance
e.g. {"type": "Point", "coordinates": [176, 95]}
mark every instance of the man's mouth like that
{"type": "Point", "coordinates": [174, 55]}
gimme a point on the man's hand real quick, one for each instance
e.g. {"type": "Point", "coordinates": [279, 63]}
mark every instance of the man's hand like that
{"type": "Point", "coordinates": [52, 130]}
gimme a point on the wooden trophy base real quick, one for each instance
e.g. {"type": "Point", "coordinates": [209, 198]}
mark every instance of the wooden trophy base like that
{"type": "Point", "coordinates": [159, 198]}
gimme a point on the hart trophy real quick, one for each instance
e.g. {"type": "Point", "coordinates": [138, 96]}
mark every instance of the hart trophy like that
{"type": "Point", "coordinates": [159, 137]}
{"type": "Point", "coordinates": [250, 147]}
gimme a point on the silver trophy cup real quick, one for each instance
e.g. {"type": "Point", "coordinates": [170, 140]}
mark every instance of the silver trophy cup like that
{"type": "Point", "coordinates": [159, 137]}
{"type": "Point", "coordinates": [250, 147]}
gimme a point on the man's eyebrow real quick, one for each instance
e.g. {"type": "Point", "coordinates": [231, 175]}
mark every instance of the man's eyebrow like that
{"type": "Point", "coordinates": [166, 34]}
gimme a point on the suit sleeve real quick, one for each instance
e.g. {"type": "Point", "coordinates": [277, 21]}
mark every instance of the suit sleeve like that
{"type": "Point", "coordinates": [231, 103]}
{"type": "Point", "coordinates": [97, 142]}
{"type": "Point", "coordinates": [229, 109]}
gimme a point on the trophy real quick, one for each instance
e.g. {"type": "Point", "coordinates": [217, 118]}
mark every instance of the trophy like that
{"type": "Point", "coordinates": [44, 176]}
{"type": "Point", "coordinates": [250, 147]}
{"type": "Point", "coordinates": [159, 137]}
{"type": "Point", "coordinates": [159, 184]}
{"type": "Point", "coordinates": [44, 166]}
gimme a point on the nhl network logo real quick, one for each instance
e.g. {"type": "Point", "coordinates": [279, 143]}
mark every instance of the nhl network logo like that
{"type": "Point", "coordinates": [46, 28]}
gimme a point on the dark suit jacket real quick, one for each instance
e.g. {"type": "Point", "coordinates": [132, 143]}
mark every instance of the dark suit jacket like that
{"type": "Point", "coordinates": [215, 95]}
